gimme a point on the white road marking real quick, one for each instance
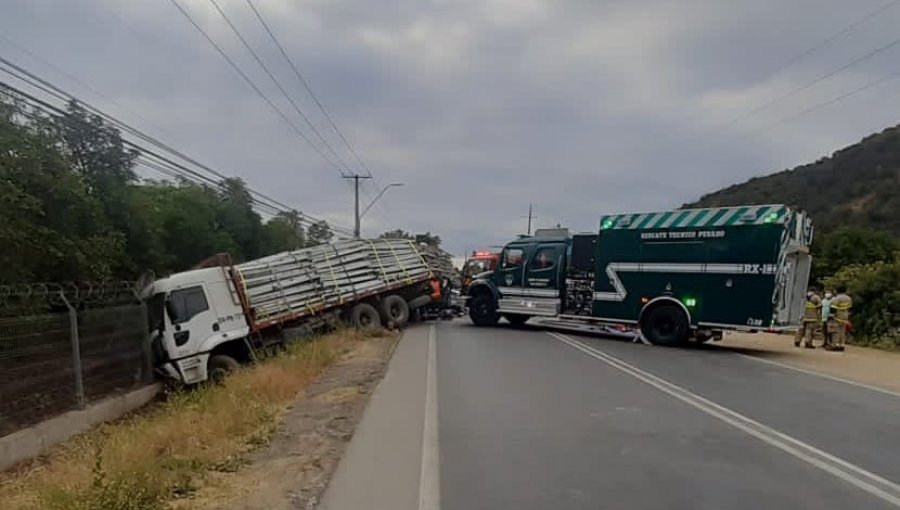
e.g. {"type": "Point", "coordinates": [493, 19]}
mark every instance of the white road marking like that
{"type": "Point", "coordinates": [823, 375]}
{"type": "Point", "coordinates": [430, 473]}
{"type": "Point", "coordinates": [855, 475]}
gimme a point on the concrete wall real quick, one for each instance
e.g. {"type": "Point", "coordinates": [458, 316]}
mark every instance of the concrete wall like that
{"type": "Point", "coordinates": [28, 443]}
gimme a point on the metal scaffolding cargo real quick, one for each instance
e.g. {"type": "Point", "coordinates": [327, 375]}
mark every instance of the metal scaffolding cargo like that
{"type": "Point", "coordinates": [303, 281]}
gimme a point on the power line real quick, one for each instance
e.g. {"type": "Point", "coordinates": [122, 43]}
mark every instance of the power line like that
{"type": "Point", "coordinates": [829, 102]}
{"type": "Point", "coordinates": [799, 57]}
{"type": "Point", "coordinates": [811, 83]}
{"type": "Point", "coordinates": [250, 82]}
{"type": "Point", "coordinates": [27, 77]}
{"type": "Point", "coordinates": [306, 86]}
{"type": "Point", "coordinates": [833, 37]}
{"type": "Point", "coordinates": [277, 83]}
{"type": "Point", "coordinates": [75, 79]}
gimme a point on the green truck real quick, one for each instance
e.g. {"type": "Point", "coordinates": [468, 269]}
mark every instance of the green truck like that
{"type": "Point", "coordinates": [673, 276]}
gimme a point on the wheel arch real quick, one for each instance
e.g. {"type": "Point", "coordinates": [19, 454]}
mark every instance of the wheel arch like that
{"type": "Point", "coordinates": [236, 349]}
{"type": "Point", "coordinates": [483, 287]}
{"type": "Point", "coordinates": [661, 300]}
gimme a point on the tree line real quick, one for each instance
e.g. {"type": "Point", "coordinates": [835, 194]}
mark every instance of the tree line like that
{"type": "Point", "coordinates": [72, 207]}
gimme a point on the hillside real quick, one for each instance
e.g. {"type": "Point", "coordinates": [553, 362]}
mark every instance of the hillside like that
{"type": "Point", "coordinates": [857, 185]}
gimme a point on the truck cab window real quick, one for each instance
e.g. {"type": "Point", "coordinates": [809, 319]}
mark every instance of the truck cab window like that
{"type": "Point", "coordinates": [183, 304]}
{"type": "Point", "coordinates": [512, 257]}
{"type": "Point", "coordinates": [543, 259]}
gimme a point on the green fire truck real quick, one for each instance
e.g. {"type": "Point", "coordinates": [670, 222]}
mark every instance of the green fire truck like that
{"type": "Point", "coordinates": [671, 275]}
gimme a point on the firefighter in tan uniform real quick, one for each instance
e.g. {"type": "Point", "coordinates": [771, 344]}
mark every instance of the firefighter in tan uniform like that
{"type": "Point", "coordinates": [839, 322]}
{"type": "Point", "coordinates": [811, 320]}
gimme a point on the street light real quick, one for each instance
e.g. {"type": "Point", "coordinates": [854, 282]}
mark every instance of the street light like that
{"type": "Point", "coordinates": [391, 185]}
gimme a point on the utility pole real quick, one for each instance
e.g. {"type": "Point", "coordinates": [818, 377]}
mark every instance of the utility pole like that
{"type": "Point", "coordinates": [356, 178]}
{"type": "Point", "coordinates": [530, 217]}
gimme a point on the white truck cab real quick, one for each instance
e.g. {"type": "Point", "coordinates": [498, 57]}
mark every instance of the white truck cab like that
{"type": "Point", "coordinates": [190, 315]}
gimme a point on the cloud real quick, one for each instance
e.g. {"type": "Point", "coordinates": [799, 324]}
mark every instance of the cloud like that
{"type": "Point", "coordinates": [581, 107]}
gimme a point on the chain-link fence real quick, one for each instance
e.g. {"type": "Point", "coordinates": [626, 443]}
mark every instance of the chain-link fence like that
{"type": "Point", "coordinates": [70, 347]}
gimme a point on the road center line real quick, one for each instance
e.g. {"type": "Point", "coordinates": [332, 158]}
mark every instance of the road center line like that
{"type": "Point", "coordinates": [821, 374]}
{"type": "Point", "coordinates": [430, 471]}
{"type": "Point", "coordinates": [855, 475]}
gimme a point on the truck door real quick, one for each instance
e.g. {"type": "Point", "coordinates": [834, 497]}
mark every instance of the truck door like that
{"type": "Point", "coordinates": [542, 273]}
{"type": "Point", "coordinates": [534, 281]}
{"type": "Point", "coordinates": [193, 320]}
{"type": "Point", "coordinates": [510, 270]}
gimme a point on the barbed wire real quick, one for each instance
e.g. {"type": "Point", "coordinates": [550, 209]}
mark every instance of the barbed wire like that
{"type": "Point", "coordinates": [33, 296]}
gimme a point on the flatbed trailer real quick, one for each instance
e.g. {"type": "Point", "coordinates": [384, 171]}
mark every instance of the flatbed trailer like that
{"type": "Point", "coordinates": [207, 320]}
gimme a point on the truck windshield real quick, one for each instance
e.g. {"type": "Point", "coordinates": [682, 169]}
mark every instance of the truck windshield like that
{"type": "Point", "coordinates": [476, 266]}
{"type": "Point", "coordinates": [183, 304]}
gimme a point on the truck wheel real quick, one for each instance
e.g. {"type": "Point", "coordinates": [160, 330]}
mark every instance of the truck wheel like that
{"type": "Point", "coordinates": [219, 366]}
{"type": "Point", "coordinates": [516, 319]}
{"type": "Point", "coordinates": [394, 310]}
{"type": "Point", "coordinates": [665, 325]}
{"type": "Point", "coordinates": [483, 310]}
{"type": "Point", "coordinates": [364, 316]}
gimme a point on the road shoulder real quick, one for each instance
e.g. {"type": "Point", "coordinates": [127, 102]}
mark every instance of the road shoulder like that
{"type": "Point", "coordinates": [382, 465]}
{"type": "Point", "coordinates": [861, 365]}
{"type": "Point", "coordinates": [293, 470]}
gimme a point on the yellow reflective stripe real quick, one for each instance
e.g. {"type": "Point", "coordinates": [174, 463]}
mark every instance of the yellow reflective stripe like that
{"type": "Point", "coordinates": [333, 276]}
{"type": "Point", "coordinates": [397, 258]}
{"type": "Point", "coordinates": [378, 260]}
{"type": "Point", "coordinates": [841, 307]}
{"type": "Point", "coordinates": [422, 258]}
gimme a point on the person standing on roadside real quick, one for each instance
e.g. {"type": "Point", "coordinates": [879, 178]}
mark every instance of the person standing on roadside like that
{"type": "Point", "coordinates": [811, 320]}
{"type": "Point", "coordinates": [840, 307]}
{"type": "Point", "coordinates": [826, 319]}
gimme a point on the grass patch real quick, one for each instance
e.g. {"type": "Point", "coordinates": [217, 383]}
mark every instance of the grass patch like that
{"type": "Point", "coordinates": [164, 453]}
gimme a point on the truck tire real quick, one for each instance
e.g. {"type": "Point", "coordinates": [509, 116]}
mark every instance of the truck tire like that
{"type": "Point", "coordinates": [364, 316]}
{"type": "Point", "coordinates": [220, 365]}
{"type": "Point", "coordinates": [517, 319]}
{"type": "Point", "coordinates": [483, 310]}
{"type": "Point", "coordinates": [394, 311]}
{"type": "Point", "coordinates": [666, 325]}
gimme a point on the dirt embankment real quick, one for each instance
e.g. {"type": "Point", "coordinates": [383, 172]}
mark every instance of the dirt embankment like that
{"type": "Point", "coordinates": [293, 470]}
{"type": "Point", "coordinates": [858, 364]}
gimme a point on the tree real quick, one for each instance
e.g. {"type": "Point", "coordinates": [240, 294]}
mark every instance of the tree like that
{"type": "Point", "coordinates": [397, 234]}
{"type": "Point", "coordinates": [426, 238]}
{"type": "Point", "coordinates": [430, 240]}
{"type": "Point", "coordinates": [319, 233]}
{"type": "Point", "coordinates": [51, 226]}
{"type": "Point", "coordinates": [875, 289]}
{"type": "Point", "coordinates": [284, 232]}
{"type": "Point", "coordinates": [851, 245]}
{"type": "Point", "coordinates": [235, 215]}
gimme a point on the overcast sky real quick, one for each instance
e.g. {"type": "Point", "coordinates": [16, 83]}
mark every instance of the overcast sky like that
{"type": "Point", "coordinates": [582, 107]}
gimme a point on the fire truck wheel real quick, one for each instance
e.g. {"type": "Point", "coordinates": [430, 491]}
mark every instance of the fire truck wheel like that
{"type": "Point", "coordinates": [483, 311]}
{"type": "Point", "coordinates": [219, 366]}
{"type": "Point", "coordinates": [394, 310]}
{"type": "Point", "coordinates": [364, 316]}
{"type": "Point", "coordinates": [665, 324]}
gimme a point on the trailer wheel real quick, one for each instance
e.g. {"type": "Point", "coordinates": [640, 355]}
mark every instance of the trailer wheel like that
{"type": "Point", "coordinates": [483, 310]}
{"type": "Point", "coordinates": [665, 324]}
{"type": "Point", "coordinates": [219, 366]}
{"type": "Point", "coordinates": [364, 316]}
{"type": "Point", "coordinates": [394, 310]}
{"type": "Point", "coordinates": [516, 319]}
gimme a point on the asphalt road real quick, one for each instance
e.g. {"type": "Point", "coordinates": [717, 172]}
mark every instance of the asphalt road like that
{"type": "Point", "coordinates": [525, 419]}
